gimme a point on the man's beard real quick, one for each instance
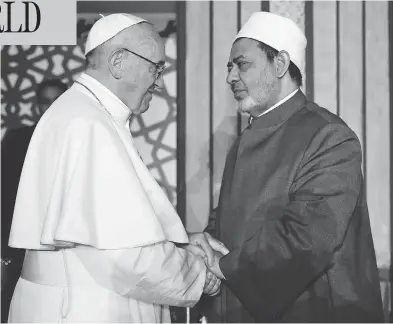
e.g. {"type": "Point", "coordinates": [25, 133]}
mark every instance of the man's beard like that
{"type": "Point", "coordinates": [257, 102]}
{"type": "Point", "coordinates": [247, 104]}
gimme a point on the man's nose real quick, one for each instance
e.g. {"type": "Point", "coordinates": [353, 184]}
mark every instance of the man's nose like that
{"type": "Point", "coordinates": [232, 76]}
{"type": "Point", "coordinates": [159, 84]}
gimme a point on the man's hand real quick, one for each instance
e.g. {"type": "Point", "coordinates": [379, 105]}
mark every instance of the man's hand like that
{"type": "Point", "coordinates": [216, 244]}
{"type": "Point", "coordinates": [212, 284]}
{"type": "Point", "coordinates": [196, 250]}
{"type": "Point", "coordinates": [208, 245]}
{"type": "Point", "coordinates": [215, 267]}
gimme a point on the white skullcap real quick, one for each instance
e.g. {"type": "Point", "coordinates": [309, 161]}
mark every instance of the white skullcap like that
{"type": "Point", "coordinates": [107, 27]}
{"type": "Point", "coordinates": [278, 32]}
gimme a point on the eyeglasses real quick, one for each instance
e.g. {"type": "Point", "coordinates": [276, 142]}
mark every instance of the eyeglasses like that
{"type": "Point", "coordinates": [160, 66]}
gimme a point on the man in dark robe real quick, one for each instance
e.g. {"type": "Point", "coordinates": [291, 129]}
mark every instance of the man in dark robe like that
{"type": "Point", "coordinates": [13, 151]}
{"type": "Point", "coordinates": [292, 208]}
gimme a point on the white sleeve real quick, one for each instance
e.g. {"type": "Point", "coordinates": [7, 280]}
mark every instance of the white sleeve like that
{"type": "Point", "coordinates": [160, 273]}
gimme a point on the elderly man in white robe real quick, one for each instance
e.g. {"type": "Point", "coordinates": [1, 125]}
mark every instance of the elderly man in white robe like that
{"type": "Point", "coordinates": [102, 238]}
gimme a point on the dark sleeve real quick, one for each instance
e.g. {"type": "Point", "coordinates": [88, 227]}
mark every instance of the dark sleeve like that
{"type": "Point", "coordinates": [211, 227]}
{"type": "Point", "coordinates": [276, 264]}
{"type": "Point", "coordinates": [9, 186]}
{"type": "Point", "coordinates": [11, 165]}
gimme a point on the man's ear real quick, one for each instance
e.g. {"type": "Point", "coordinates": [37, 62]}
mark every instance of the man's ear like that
{"type": "Point", "coordinates": [282, 63]}
{"type": "Point", "coordinates": [115, 63]}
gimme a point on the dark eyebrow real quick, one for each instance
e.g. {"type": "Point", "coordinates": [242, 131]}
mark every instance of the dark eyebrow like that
{"type": "Point", "coordinates": [237, 58]}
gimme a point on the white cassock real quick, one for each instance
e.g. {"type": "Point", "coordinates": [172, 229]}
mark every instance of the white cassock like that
{"type": "Point", "coordinates": [98, 228]}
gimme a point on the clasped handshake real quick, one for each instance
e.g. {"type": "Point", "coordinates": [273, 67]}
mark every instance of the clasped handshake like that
{"type": "Point", "coordinates": [211, 250]}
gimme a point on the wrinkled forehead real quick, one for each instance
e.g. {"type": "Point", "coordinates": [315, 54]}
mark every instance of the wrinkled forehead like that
{"type": "Point", "coordinates": [158, 50]}
{"type": "Point", "coordinates": [245, 47]}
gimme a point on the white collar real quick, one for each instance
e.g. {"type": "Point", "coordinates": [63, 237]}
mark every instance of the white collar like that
{"type": "Point", "coordinates": [277, 104]}
{"type": "Point", "coordinates": [280, 102]}
{"type": "Point", "coordinates": [111, 102]}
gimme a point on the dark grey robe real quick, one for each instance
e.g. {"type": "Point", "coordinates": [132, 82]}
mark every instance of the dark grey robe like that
{"type": "Point", "coordinates": [293, 212]}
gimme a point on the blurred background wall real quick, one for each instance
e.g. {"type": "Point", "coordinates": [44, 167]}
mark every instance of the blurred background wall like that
{"type": "Point", "coordinates": [185, 135]}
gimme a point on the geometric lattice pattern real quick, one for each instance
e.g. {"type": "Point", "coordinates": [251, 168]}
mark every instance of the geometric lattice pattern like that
{"type": "Point", "coordinates": [23, 67]}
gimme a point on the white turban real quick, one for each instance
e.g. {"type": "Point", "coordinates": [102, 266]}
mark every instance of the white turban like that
{"type": "Point", "coordinates": [278, 32]}
{"type": "Point", "coordinates": [107, 27]}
